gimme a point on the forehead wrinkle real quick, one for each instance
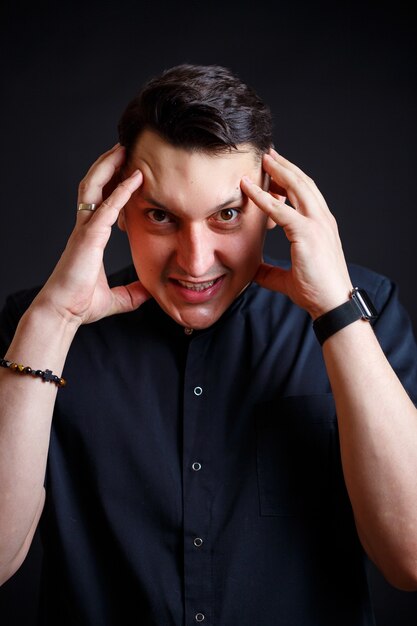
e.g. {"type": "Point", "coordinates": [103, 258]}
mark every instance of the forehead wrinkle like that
{"type": "Point", "coordinates": [153, 158]}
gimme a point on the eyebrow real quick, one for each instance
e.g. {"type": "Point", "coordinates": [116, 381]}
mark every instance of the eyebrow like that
{"type": "Point", "coordinates": [234, 199]}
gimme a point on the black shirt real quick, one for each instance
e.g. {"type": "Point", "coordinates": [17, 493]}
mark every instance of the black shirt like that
{"type": "Point", "coordinates": [197, 478]}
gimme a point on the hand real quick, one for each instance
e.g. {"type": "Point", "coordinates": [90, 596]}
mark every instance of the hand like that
{"type": "Point", "coordinates": [78, 289]}
{"type": "Point", "coordinates": [318, 279]}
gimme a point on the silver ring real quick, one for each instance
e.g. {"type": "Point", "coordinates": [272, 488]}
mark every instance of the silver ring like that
{"type": "Point", "coordinates": [86, 206]}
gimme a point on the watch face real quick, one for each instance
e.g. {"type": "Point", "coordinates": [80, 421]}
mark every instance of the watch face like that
{"type": "Point", "coordinates": [365, 304]}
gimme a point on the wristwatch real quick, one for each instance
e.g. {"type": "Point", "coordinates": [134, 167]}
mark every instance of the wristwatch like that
{"type": "Point", "coordinates": [359, 306]}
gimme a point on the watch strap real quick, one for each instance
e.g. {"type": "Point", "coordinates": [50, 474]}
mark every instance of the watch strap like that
{"type": "Point", "coordinates": [358, 307]}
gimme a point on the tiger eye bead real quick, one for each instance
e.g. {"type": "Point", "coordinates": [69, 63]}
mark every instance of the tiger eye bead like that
{"type": "Point", "coordinates": [47, 375]}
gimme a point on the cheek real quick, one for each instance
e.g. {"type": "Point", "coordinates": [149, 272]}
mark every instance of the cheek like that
{"type": "Point", "coordinates": [242, 252]}
{"type": "Point", "coordinates": [253, 234]}
{"type": "Point", "coordinates": [151, 256]}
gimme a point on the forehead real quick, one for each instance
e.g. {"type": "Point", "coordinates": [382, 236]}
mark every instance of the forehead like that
{"type": "Point", "coordinates": [175, 174]}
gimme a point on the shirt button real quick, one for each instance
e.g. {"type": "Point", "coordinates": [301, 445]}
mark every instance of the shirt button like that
{"type": "Point", "coordinates": [196, 467]}
{"type": "Point", "coordinates": [198, 542]}
{"type": "Point", "coordinates": [200, 617]}
{"type": "Point", "coordinates": [198, 391]}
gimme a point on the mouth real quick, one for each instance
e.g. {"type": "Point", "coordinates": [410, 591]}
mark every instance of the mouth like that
{"type": "Point", "coordinates": [197, 292]}
{"type": "Point", "coordinates": [197, 286]}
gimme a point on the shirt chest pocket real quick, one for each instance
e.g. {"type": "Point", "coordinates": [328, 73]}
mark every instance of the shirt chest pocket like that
{"type": "Point", "coordinates": [298, 459]}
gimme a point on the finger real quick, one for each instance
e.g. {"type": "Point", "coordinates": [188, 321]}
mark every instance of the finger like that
{"type": "Point", "coordinates": [90, 189]}
{"type": "Point", "coordinates": [276, 209]}
{"type": "Point", "coordinates": [103, 157]}
{"type": "Point", "coordinates": [272, 277]}
{"type": "Point", "coordinates": [128, 298]}
{"type": "Point", "coordinates": [108, 211]}
{"type": "Point", "coordinates": [300, 189]}
{"type": "Point", "coordinates": [276, 189]}
{"type": "Point", "coordinates": [109, 187]}
{"type": "Point", "coordinates": [288, 164]}
{"type": "Point", "coordinates": [294, 168]}
{"type": "Point", "coordinates": [279, 158]}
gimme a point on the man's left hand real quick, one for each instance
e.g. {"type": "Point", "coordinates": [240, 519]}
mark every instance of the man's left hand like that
{"type": "Point", "coordinates": [318, 279]}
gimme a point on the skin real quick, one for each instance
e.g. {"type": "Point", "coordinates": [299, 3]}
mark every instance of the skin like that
{"type": "Point", "coordinates": [189, 224]}
{"type": "Point", "coordinates": [190, 242]}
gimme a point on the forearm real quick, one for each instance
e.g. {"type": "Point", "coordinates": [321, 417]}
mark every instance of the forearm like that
{"type": "Point", "coordinates": [378, 438]}
{"type": "Point", "coordinates": [26, 406]}
{"type": "Point", "coordinates": [77, 292]}
{"type": "Point", "coordinates": [377, 420]}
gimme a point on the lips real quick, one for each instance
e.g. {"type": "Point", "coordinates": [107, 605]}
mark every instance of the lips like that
{"type": "Point", "coordinates": [197, 286]}
{"type": "Point", "coordinates": [196, 292]}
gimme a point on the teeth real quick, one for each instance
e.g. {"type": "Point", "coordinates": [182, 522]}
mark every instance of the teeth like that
{"type": "Point", "coordinates": [197, 286]}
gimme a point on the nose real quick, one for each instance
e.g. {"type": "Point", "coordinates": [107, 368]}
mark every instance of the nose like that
{"type": "Point", "coordinates": [196, 254]}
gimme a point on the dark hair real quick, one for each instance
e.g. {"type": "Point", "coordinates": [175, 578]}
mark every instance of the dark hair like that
{"type": "Point", "coordinates": [198, 107]}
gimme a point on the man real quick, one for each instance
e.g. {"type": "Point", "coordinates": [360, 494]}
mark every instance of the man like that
{"type": "Point", "coordinates": [214, 458]}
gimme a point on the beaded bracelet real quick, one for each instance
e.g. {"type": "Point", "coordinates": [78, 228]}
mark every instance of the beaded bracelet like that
{"type": "Point", "coordinates": [47, 375]}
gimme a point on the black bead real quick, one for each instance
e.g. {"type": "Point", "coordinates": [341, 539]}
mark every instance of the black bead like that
{"type": "Point", "coordinates": [48, 376]}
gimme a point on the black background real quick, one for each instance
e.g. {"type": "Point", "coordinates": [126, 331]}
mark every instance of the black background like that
{"type": "Point", "coordinates": [340, 79]}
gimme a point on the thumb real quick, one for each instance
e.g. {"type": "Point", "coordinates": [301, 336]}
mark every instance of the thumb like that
{"type": "Point", "coordinates": [130, 297]}
{"type": "Point", "coordinates": [271, 277]}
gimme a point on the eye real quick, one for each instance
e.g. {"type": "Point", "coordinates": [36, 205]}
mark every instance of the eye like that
{"type": "Point", "coordinates": [227, 215]}
{"type": "Point", "coordinates": [159, 216]}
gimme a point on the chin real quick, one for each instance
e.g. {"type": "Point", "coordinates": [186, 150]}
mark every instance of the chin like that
{"type": "Point", "coordinates": [197, 322]}
{"type": "Point", "coordinates": [197, 319]}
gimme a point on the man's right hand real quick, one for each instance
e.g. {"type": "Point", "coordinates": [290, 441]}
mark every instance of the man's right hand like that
{"type": "Point", "coordinates": [78, 290]}
{"type": "Point", "coordinates": [76, 293]}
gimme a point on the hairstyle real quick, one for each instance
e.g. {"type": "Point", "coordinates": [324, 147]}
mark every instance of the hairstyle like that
{"type": "Point", "coordinates": [197, 107]}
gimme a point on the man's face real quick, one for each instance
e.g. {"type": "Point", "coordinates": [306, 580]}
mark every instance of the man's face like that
{"type": "Point", "coordinates": [196, 240]}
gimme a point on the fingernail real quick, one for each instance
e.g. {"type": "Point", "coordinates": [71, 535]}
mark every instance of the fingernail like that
{"type": "Point", "coordinates": [247, 180]}
{"type": "Point", "coordinates": [135, 173]}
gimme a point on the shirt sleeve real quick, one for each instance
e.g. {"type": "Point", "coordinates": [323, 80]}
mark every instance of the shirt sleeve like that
{"type": "Point", "coordinates": [16, 304]}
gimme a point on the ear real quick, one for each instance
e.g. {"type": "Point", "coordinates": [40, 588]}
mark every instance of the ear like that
{"type": "Point", "coordinates": [270, 224]}
{"type": "Point", "coordinates": [121, 223]}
